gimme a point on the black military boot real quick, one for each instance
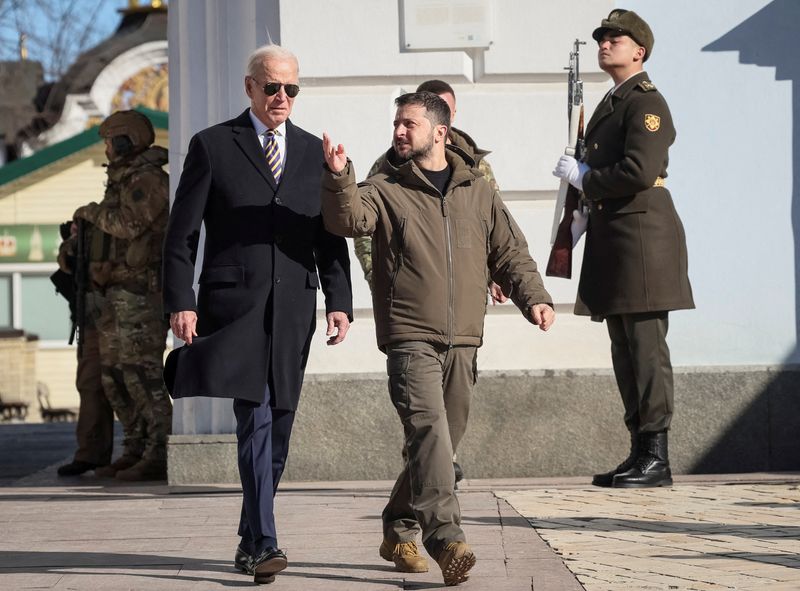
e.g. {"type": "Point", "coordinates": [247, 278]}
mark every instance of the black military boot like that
{"type": "Point", "coordinates": [75, 468]}
{"type": "Point", "coordinates": [651, 468]}
{"type": "Point", "coordinates": [606, 478]}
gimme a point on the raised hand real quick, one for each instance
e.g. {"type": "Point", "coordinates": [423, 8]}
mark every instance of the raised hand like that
{"type": "Point", "coordinates": [335, 156]}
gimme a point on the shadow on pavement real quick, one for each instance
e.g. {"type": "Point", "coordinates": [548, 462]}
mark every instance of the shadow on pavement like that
{"type": "Point", "coordinates": [99, 563]}
{"type": "Point", "coordinates": [112, 563]}
{"type": "Point", "coordinates": [689, 528]}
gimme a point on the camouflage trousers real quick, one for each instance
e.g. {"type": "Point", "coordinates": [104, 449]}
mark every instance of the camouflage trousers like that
{"type": "Point", "coordinates": [133, 335]}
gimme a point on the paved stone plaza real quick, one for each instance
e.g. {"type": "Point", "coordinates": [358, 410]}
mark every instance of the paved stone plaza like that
{"type": "Point", "coordinates": [732, 532]}
{"type": "Point", "coordinates": [693, 536]}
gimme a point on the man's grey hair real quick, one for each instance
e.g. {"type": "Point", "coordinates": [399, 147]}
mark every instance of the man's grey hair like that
{"type": "Point", "coordinates": [269, 53]}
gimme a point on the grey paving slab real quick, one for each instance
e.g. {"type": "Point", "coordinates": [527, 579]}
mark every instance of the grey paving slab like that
{"type": "Point", "coordinates": [85, 534]}
{"type": "Point", "coordinates": [737, 534]}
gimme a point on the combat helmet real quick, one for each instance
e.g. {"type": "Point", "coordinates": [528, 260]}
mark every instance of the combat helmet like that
{"type": "Point", "coordinates": [130, 132]}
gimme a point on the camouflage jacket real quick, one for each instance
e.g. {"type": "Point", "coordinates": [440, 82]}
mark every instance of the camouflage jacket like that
{"type": "Point", "coordinates": [363, 244]}
{"type": "Point", "coordinates": [128, 225]}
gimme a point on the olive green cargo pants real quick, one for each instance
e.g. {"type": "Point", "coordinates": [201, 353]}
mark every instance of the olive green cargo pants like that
{"type": "Point", "coordinates": [423, 378]}
{"type": "Point", "coordinates": [95, 430]}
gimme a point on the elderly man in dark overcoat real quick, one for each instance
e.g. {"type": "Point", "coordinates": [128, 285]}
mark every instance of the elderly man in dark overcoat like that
{"type": "Point", "coordinates": [635, 262]}
{"type": "Point", "coordinates": [254, 182]}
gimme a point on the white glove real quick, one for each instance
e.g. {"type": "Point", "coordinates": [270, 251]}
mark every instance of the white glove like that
{"type": "Point", "coordinates": [578, 226]}
{"type": "Point", "coordinates": [571, 171]}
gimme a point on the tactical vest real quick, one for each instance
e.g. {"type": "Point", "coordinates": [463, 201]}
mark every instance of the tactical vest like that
{"type": "Point", "coordinates": [134, 264]}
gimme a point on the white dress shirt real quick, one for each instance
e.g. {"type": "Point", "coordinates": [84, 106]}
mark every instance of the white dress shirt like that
{"type": "Point", "coordinates": [280, 136]}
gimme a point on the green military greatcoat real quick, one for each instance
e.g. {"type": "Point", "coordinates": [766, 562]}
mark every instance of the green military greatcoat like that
{"type": "Point", "coordinates": [635, 258]}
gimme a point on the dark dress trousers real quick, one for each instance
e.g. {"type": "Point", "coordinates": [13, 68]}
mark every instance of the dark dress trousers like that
{"type": "Point", "coordinates": [266, 255]}
{"type": "Point", "coordinates": [635, 264]}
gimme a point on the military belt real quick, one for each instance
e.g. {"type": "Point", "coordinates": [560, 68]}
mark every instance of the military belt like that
{"type": "Point", "coordinates": [660, 182]}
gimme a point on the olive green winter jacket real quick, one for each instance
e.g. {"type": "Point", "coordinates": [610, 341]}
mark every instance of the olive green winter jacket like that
{"type": "Point", "coordinates": [432, 252]}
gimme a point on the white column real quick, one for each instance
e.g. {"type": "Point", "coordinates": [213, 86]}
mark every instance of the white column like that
{"type": "Point", "coordinates": [209, 42]}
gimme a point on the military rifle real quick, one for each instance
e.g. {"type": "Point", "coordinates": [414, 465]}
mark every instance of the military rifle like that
{"type": "Point", "coordinates": [81, 273]}
{"type": "Point", "coordinates": [64, 281]}
{"type": "Point", "coordinates": [568, 200]}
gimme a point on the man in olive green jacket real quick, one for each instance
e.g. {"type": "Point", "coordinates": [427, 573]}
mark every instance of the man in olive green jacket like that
{"type": "Point", "coordinates": [457, 137]}
{"type": "Point", "coordinates": [457, 407]}
{"type": "Point", "coordinates": [635, 263]}
{"type": "Point", "coordinates": [439, 232]}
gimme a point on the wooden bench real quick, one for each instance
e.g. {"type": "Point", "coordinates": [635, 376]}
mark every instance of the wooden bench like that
{"type": "Point", "coordinates": [12, 411]}
{"type": "Point", "coordinates": [50, 414]}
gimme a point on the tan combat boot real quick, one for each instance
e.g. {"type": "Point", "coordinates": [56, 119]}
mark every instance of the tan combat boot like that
{"type": "Point", "coordinates": [405, 555]}
{"type": "Point", "coordinates": [144, 469]}
{"type": "Point", "coordinates": [122, 463]}
{"type": "Point", "coordinates": [455, 561]}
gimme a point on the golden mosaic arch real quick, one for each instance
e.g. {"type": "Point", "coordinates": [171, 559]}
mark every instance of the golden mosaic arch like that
{"type": "Point", "coordinates": [149, 88]}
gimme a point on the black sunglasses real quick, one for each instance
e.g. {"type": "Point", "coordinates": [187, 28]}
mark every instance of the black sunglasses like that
{"type": "Point", "coordinates": [272, 88]}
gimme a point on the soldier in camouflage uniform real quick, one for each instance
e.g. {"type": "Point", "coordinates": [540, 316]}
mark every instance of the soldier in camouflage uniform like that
{"type": "Point", "coordinates": [128, 229]}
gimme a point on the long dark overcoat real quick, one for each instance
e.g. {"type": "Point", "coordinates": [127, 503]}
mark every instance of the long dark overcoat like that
{"type": "Point", "coordinates": [264, 247]}
{"type": "Point", "coordinates": [635, 258]}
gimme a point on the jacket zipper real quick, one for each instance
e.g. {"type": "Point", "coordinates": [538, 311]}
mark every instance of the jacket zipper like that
{"type": "Point", "coordinates": [450, 279]}
{"type": "Point", "coordinates": [488, 250]}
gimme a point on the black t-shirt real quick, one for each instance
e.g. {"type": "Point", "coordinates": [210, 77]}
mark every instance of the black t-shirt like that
{"type": "Point", "coordinates": [439, 178]}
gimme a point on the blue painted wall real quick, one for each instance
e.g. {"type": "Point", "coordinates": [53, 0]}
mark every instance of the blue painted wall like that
{"type": "Point", "coordinates": [731, 171]}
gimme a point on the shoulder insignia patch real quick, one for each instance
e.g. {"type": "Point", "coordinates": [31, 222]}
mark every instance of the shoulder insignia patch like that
{"type": "Point", "coordinates": [647, 86]}
{"type": "Point", "coordinates": [652, 122]}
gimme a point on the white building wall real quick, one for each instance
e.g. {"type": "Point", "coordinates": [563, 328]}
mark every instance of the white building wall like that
{"type": "Point", "coordinates": [513, 102]}
{"type": "Point", "coordinates": [732, 120]}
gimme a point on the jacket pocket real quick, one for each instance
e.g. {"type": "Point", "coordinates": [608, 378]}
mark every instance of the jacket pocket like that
{"type": "Point", "coordinates": [511, 224]}
{"type": "Point", "coordinates": [224, 274]}
{"type": "Point", "coordinates": [463, 233]}
{"type": "Point", "coordinates": [398, 260]}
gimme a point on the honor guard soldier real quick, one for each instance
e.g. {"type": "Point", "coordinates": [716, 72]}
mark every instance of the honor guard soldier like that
{"type": "Point", "coordinates": [635, 262]}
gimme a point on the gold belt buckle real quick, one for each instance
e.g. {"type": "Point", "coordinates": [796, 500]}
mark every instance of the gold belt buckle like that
{"type": "Point", "coordinates": [659, 182]}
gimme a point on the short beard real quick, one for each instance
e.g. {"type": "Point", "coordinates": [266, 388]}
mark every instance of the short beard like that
{"type": "Point", "coordinates": [420, 153]}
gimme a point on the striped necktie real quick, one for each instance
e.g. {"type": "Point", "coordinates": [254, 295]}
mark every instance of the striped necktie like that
{"type": "Point", "coordinates": [273, 155]}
